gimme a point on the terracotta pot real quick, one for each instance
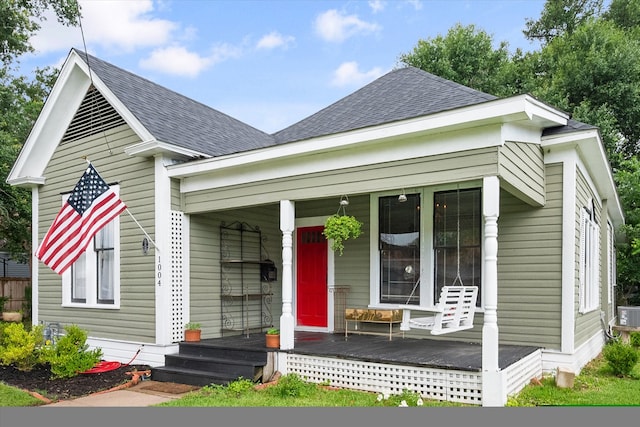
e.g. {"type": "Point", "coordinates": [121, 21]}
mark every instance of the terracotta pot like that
{"type": "Point", "coordinates": [12, 316]}
{"type": "Point", "coordinates": [273, 340]}
{"type": "Point", "coordinates": [192, 335]}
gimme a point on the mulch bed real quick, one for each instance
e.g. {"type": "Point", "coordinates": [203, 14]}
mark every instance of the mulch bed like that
{"type": "Point", "coordinates": [39, 381]}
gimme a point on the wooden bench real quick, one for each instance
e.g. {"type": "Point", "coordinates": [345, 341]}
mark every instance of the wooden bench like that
{"type": "Point", "coordinates": [453, 312]}
{"type": "Point", "coordinates": [370, 315]}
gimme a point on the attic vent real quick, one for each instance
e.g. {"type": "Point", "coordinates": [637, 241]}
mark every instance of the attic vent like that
{"type": "Point", "coordinates": [95, 115]}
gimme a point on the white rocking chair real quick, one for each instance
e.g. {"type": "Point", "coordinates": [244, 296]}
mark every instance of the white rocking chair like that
{"type": "Point", "coordinates": [454, 312]}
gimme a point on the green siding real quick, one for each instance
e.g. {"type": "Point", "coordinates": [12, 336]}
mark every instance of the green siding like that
{"type": "Point", "coordinates": [530, 267]}
{"type": "Point", "coordinates": [587, 324]}
{"type": "Point", "coordinates": [522, 171]}
{"type": "Point", "coordinates": [205, 261]}
{"type": "Point", "coordinates": [175, 195]}
{"type": "Point", "coordinates": [137, 290]}
{"type": "Point", "coordinates": [467, 165]}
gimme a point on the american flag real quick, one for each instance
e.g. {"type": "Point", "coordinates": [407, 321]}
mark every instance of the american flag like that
{"type": "Point", "coordinates": [90, 206]}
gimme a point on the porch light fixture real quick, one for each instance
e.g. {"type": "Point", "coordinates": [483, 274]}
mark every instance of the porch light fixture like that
{"type": "Point", "coordinates": [402, 197]}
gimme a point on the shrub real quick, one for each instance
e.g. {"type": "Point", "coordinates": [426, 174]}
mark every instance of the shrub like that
{"type": "Point", "coordinates": [621, 357]}
{"type": "Point", "coordinates": [634, 339]}
{"type": "Point", "coordinates": [70, 355]}
{"type": "Point", "coordinates": [19, 346]}
{"type": "Point", "coordinates": [240, 385]}
{"type": "Point", "coordinates": [291, 385]}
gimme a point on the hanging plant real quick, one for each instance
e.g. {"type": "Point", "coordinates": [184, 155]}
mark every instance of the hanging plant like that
{"type": "Point", "coordinates": [341, 228]}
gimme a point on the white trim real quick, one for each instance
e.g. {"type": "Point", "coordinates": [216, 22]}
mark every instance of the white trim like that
{"type": "Point", "coordinates": [124, 351]}
{"type": "Point", "coordinates": [322, 155]}
{"type": "Point", "coordinates": [153, 147]}
{"type": "Point", "coordinates": [589, 271]}
{"type": "Point", "coordinates": [589, 149]}
{"type": "Point", "coordinates": [426, 241]}
{"type": "Point", "coordinates": [568, 158]}
{"type": "Point", "coordinates": [576, 359]}
{"type": "Point", "coordinates": [162, 264]}
{"type": "Point", "coordinates": [35, 282]}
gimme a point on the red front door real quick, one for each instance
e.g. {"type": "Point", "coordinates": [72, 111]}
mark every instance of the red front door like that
{"type": "Point", "coordinates": [311, 277]}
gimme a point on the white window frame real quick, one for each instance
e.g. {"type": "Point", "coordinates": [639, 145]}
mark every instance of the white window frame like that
{"type": "Point", "coordinates": [427, 261]}
{"type": "Point", "coordinates": [91, 271]}
{"type": "Point", "coordinates": [589, 262]}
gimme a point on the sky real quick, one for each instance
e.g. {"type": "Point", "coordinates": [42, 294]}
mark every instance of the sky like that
{"type": "Point", "coordinates": [269, 63]}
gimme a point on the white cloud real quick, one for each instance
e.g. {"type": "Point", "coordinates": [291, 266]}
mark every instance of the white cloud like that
{"type": "Point", "coordinates": [274, 40]}
{"type": "Point", "coordinates": [348, 73]}
{"type": "Point", "coordinates": [179, 61]}
{"type": "Point", "coordinates": [116, 25]}
{"type": "Point", "coordinates": [175, 60]}
{"type": "Point", "coordinates": [376, 5]}
{"type": "Point", "coordinates": [334, 26]}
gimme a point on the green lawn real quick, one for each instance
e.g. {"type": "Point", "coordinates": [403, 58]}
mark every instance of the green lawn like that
{"type": "Point", "coordinates": [595, 386]}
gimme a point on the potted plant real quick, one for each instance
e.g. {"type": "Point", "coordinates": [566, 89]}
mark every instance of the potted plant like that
{"type": "Point", "coordinates": [339, 228]}
{"type": "Point", "coordinates": [273, 338]}
{"type": "Point", "coordinates": [192, 332]}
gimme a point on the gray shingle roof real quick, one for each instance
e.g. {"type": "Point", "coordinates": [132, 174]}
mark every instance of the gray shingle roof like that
{"type": "Point", "coordinates": [571, 126]}
{"type": "Point", "coordinates": [175, 119]}
{"type": "Point", "coordinates": [400, 94]}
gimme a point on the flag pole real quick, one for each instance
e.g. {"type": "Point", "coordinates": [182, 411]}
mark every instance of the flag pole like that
{"type": "Point", "coordinates": [145, 233]}
{"type": "Point", "coordinates": [131, 215]}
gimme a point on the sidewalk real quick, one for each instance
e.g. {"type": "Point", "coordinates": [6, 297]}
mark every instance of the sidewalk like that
{"type": "Point", "coordinates": [144, 393]}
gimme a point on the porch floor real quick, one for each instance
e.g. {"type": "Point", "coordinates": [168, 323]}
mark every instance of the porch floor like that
{"type": "Point", "coordinates": [441, 354]}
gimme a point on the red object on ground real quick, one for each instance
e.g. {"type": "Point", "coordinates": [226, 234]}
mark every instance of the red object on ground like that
{"type": "Point", "coordinates": [103, 367]}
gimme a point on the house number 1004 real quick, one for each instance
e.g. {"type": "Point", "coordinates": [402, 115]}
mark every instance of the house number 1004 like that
{"type": "Point", "coordinates": [159, 271]}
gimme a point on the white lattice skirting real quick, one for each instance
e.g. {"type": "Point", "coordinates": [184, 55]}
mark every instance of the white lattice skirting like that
{"type": "Point", "coordinates": [430, 383]}
{"type": "Point", "coordinates": [520, 373]}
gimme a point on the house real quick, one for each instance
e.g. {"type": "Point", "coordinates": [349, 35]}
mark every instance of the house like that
{"type": "Point", "coordinates": [507, 194]}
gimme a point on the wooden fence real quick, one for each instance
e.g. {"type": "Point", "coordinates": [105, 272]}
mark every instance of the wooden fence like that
{"type": "Point", "coordinates": [14, 288]}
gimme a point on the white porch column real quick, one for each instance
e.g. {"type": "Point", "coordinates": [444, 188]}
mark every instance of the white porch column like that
{"type": "Point", "coordinates": [287, 225]}
{"type": "Point", "coordinates": [493, 387]}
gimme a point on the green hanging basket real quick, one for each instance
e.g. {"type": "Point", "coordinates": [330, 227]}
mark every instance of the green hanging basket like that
{"type": "Point", "coordinates": [340, 228]}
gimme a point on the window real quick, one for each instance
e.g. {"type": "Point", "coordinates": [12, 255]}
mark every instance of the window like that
{"type": "Point", "coordinates": [457, 243]}
{"type": "Point", "coordinates": [589, 261]}
{"type": "Point", "coordinates": [418, 245]}
{"type": "Point", "coordinates": [93, 280]}
{"type": "Point", "coordinates": [399, 245]}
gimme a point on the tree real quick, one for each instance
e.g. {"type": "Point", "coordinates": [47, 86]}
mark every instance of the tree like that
{"type": "Point", "coordinates": [561, 17]}
{"type": "Point", "coordinates": [20, 103]}
{"type": "Point", "coordinates": [624, 13]}
{"type": "Point", "coordinates": [465, 56]}
{"type": "Point", "coordinates": [21, 100]}
{"type": "Point", "coordinates": [20, 20]}
{"type": "Point", "coordinates": [588, 65]}
{"type": "Point", "coordinates": [598, 65]}
{"type": "Point", "coordinates": [628, 183]}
